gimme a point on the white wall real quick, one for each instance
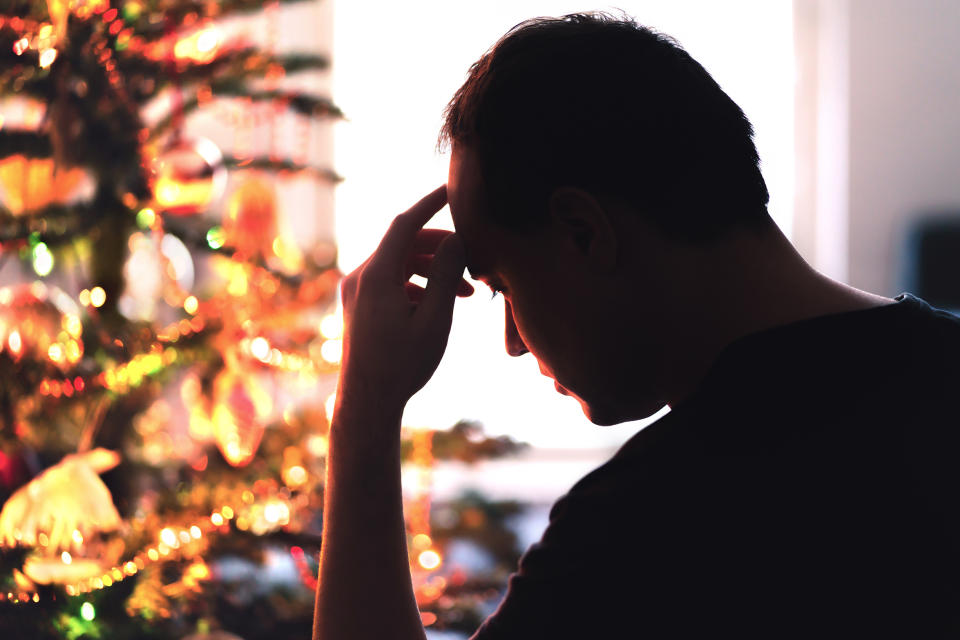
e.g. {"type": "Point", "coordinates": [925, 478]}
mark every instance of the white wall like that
{"type": "Point", "coordinates": [904, 126]}
{"type": "Point", "coordinates": [878, 130]}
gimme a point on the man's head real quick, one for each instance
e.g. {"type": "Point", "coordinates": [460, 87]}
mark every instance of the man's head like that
{"type": "Point", "coordinates": [591, 157]}
{"type": "Point", "coordinates": [606, 105]}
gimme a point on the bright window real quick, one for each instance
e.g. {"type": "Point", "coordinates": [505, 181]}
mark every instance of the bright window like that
{"type": "Point", "coordinates": [396, 65]}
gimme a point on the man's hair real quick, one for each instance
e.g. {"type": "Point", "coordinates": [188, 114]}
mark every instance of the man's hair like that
{"type": "Point", "coordinates": [599, 102]}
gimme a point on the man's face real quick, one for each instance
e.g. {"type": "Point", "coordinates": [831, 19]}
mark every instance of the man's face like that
{"type": "Point", "coordinates": [543, 313]}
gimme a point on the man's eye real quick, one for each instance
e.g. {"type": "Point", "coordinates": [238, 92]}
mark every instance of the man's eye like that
{"type": "Point", "coordinates": [494, 291]}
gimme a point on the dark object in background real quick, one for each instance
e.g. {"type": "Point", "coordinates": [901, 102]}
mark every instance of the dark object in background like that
{"type": "Point", "coordinates": [930, 265]}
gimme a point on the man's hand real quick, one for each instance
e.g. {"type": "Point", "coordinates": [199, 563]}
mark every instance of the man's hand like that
{"type": "Point", "coordinates": [395, 335]}
{"type": "Point", "coordinates": [395, 331]}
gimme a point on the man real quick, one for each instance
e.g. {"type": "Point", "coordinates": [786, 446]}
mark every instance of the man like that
{"type": "Point", "coordinates": [802, 484]}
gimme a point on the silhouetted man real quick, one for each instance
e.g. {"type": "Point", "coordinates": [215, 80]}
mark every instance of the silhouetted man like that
{"type": "Point", "coordinates": [802, 484]}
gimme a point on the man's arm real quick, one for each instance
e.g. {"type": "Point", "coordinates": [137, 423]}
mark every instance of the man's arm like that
{"type": "Point", "coordinates": [395, 335]}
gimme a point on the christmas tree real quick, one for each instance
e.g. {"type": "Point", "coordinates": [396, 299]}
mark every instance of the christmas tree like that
{"type": "Point", "coordinates": [168, 357]}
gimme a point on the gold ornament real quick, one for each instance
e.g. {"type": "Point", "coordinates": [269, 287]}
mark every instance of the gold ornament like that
{"type": "Point", "coordinates": [189, 177]}
{"type": "Point", "coordinates": [30, 184]}
{"type": "Point", "coordinates": [90, 561]}
{"type": "Point", "coordinates": [40, 322]}
{"type": "Point", "coordinates": [240, 410]}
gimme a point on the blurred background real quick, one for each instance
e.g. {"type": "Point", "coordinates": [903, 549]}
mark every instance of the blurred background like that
{"type": "Point", "coordinates": [183, 183]}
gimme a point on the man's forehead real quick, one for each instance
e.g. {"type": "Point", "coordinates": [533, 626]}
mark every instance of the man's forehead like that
{"type": "Point", "coordinates": [472, 224]}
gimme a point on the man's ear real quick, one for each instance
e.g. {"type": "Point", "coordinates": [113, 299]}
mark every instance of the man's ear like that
{"type": "Point", "coordinates": [583, 225]}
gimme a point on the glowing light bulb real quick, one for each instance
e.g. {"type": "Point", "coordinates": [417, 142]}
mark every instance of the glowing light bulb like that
{"type": "Point", "coordinates": [87, 612]}
{"type": "Point", "coordinates": [98, 296]}
{"type": "Point", "coordinates": [429, 559]}
{"type": "Point", "coordinates": [55, 352]}
{"type": "Point", "coordinates": [42, 259]}
{"type": "Point", "coordinates": [14, 342]}
{"type": "Point", "coordinates": [146, 217]}
{"type": "Point", "coordinates": [216, 237]}
{"type": "Point", "coordinates": [260, 349]}
{"type": "Point", "coordinates": [168, 537]}
{"type": "Point", "coordinates": [47, 57]}
{"type": "Point", "coordinates": [332, 351]}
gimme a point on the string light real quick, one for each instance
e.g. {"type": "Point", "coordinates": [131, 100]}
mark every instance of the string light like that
{"type": "Point", "coordinates": [98, 297]}
{"type": "Point", "coordinates": [146, 218]}
{"type": "Point", "coordinates": [216, 237]}
{"type": "Point", "coordinates": [47, 57]}
{"type": "Point", "coordinates": [42, 259]}
{"type": "Point", "coordinates": [429, 559]}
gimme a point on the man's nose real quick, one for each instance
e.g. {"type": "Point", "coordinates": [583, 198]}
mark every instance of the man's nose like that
{"type": "Point", "coordinates": [515, 346]}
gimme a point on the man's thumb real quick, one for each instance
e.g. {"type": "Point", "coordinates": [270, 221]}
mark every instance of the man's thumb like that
{"type": "Point", "coordinates": [445, 273]}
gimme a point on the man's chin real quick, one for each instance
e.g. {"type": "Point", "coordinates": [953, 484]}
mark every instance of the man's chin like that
{"type": "Point", "coordinates": [596, 415]}
{"type": "Point", "coordinates": [606, 415]}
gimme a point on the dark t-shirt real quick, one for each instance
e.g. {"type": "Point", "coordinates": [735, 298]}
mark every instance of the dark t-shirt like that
{"type": "Point", "coordinates": [809, 488]}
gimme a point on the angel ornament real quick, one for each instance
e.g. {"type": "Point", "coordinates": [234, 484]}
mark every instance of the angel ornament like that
{"type": "Point", "coordinates": [60, 514]}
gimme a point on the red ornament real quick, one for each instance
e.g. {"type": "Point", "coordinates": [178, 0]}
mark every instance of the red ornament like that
{"type": "Point", "coordinates": [250, 222]}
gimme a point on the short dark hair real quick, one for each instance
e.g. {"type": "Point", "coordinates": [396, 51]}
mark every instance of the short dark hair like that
{"type": "Point", "coordinates": [599, 102]}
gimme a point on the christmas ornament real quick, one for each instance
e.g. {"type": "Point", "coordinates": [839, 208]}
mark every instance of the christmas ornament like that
{"type": "Point", "coordinates": [250, 222]}
{"type": "Point", "coordinates": [189, 176]}
{"type": "Point", "coordinates": [154, 272]}
{"type": "Point", "coordinates": [30, 184]}
{"type": "Point", "coordinates": [63, 505]}
{"type": "Point", "coordinates": [13, 470]}
{"type": "Point", "coordinates": [89, 560]}
{"type": "Point", "coordinates": [39, 322]}
{"type": "Point", "coordinates": [240, 410]}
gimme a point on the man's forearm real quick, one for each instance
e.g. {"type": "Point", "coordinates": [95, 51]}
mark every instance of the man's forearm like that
{"type": "Point", "coordinates": [365, 592]}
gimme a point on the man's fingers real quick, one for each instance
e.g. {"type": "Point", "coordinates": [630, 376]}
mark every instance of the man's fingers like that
{"type": "Point", "coordinates": [428, 240]}
{"type": "Point", "coordinates": [400, 237]}
{"type": "Point", "coordinates": [414, 292]}
{"type": "Point", "coordinates": [445, 275]}
{"type": "Point", "coordinates": [421, 265]}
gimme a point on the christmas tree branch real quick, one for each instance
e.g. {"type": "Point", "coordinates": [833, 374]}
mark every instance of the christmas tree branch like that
{"type": "Point", "coordinates": [282, 166]}
{"type": "Point", "coordinates": [19, 142]}
{"type": "Point", "coordinates": [55, 224]}
{"type": "Point", "coordinates": [232, 65]}
{"type": "Point", "coordinates": [179, 10]}
{"type": "Point", "coordinates": [313, 106]}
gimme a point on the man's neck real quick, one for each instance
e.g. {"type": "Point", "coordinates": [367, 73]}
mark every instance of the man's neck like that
{"type": "Point", "coordinates": [745, 285]}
